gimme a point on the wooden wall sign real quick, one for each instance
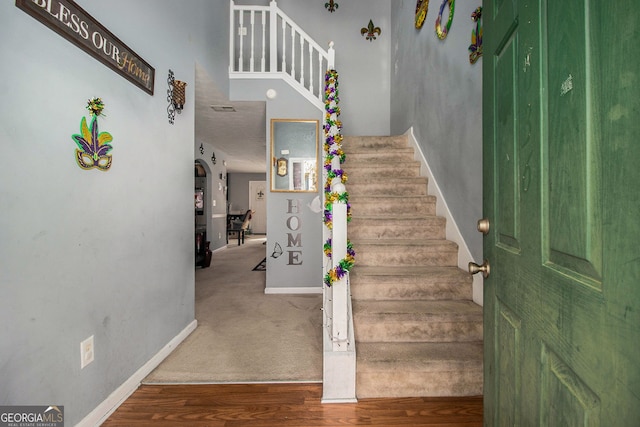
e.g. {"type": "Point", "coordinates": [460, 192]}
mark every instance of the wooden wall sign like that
{"type": "Point", "coordinates": [74, 24]}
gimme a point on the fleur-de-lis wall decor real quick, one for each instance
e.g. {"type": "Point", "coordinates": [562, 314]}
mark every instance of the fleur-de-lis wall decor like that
{"type": "Point", "coordinates": [370, 31]}
{"type": "Point", "coordinates": [331, 6]}
{"type": "Point", "coordinates": [201, 149]}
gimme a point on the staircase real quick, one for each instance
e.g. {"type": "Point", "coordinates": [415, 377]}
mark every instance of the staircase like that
{"type": "Point", "coordinates": [417, 330]}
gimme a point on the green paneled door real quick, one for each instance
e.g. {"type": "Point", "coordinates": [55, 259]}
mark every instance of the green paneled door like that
{"type": "Point", "coordinates": [562, 193]}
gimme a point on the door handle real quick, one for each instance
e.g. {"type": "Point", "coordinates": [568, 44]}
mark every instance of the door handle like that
{"type": "Point", "coordinates": [483, 226]}
{"type": "Point", "coordinates": [485, 268]}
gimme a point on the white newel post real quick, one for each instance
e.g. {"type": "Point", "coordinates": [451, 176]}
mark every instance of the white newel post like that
{"type": "Point", "coordinates": [331, 57]}
{"type": "Point", "coordinates": [339, 287]}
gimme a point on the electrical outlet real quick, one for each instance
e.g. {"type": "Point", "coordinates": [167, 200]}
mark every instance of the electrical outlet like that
{"type": "Point", "coordinates": [219, 236]}
{"type": "Point", "coordinates": [86, 352]}
{"type": "Point", "coordinates": [242, 31]}
{"type": "Point", "coordinates": [214, 202]}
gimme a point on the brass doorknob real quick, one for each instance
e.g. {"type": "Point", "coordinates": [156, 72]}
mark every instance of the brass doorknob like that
{"type": "Point", "coordinates": [485, 268]}
{"type": "Point", "coordinates": [483, 226]}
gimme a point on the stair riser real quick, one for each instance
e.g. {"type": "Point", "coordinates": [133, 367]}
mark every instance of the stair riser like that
{"type": "Point", "coordinates": [396, 229]}
{"type": "Point", "coordinates": [368, 330]}
{"type": "Point", "coordinates": [375, 157]}
{"type": "Point", "coordinates": [416, 187]}
{"type": "Point", "coordinates": [379, 142]}
{"type": "Point", "coordinates": [406, 255]}
{"type": "Point", "coordinates": [397, 290]}
{"type": "Point", "coordinates": [371, 172]}
{"type": "Point", "coordinates": [403, 383]}
{"type": "Point", "coordinates": [383, 207]}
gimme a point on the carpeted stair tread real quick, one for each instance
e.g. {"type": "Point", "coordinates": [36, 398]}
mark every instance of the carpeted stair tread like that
{"type": "Point", "coordinates": [393, 180]}
{"type": "Point", "coordinates": [392, 205]}
{"type": "Point", "coordinates": [440, 243]}
{"type": "Point", "coordinates": [418, 356]}
{"type": "Point", "coordinates": [386, 170]}
{"type": "Point", "coordinates": [416, 227]}
{"type": "Point", "coordinates": [406, 252]}
{"type": "Point", "coordinates": [383, 188]}
{"type": "Point", "coordinates": [375, 156]}
{"type": "Point", "coordinates": [430, 311]}
{"type": "Point", "coordinates": [396, 141]}
{"type": "Point", "coordinates": [392, 198]}
{"type": "Point", "coordinates": [419, 369]}
{"type": "Point", "coordinates": [410, 282]}
{"type": "Point", "coordinates": [407, 218]}
{"type": "Point", "coordinates": [417, 321]}
{"type": "Point", "coordinates": [417, 330]}
{"type": "Point", "coordinates": [416, 271]}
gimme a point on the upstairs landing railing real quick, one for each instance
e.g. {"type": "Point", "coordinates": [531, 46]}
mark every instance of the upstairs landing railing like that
{"type": "Point", "coordinates": [266, 43]}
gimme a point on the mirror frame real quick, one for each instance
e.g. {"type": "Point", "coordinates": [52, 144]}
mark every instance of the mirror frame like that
{"type": "Point", "coordinates": [280, 163]}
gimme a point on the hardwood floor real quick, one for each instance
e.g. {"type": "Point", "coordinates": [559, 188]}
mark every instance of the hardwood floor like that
{"type": "Point", "coordinates": [260, 405]}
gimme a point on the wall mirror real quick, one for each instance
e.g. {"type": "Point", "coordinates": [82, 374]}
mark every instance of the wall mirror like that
{"type": "Point", "coordinates": [294, 155]}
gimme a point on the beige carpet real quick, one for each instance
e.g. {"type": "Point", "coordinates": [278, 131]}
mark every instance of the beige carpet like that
{"type": "Point", "coordinates": [244, 335]}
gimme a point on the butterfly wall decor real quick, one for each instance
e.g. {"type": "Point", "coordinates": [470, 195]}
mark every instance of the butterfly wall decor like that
{"type": "Point", "coordinates": [277, 251]}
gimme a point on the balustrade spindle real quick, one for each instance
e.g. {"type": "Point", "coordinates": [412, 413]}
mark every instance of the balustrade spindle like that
{"type": "Point", "coordinates": [264, 40]}
{"type": "Point", "coordinates": [301, 60]}
{"type": "Point", "coordinates": [252, 55]}
{"type": "Point", "coordinates": [293, 53]}
{"type": "Point", "coordinates": [284, 46]}
{"type": "Point", "coordinates": [241, 40]}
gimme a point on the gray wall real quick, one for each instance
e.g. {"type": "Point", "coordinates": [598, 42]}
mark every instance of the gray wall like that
{"type": "Point", "coordinates": [363, 66]}
{"type": "Point", "coordinates": [300, 264]}
{"type": "Point", "coordinates": [291, 222]}
{"type": "Point", "coordinates": [438, 92]}
{"type": "Point", "coordinates": [83, 253]}
{"type": "Point", "coordinates": [239, 189]}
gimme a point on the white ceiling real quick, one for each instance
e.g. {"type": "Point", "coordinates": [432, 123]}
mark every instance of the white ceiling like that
{"type": "Point", "coordinates": [239, 134]}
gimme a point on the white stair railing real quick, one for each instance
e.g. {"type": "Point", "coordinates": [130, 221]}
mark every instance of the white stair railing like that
{"type": "Point", "coordinates": [339, 343]}
{"type": "Point", "coordinates": [266, 43]}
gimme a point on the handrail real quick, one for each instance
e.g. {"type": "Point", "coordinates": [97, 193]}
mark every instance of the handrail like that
{"type": "Point", "coordinates": [276, 48]}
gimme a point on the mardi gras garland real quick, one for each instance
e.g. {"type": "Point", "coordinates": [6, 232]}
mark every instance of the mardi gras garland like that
{"type": "Point", "coordinates": [344, 265]}
{"type": "Point", "coordinates": [333, 148]}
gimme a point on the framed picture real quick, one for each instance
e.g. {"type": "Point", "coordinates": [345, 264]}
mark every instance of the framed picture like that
{"type": "Point", "coordinates": [281, 166]}
{"type": "Point", "coordinates": [199, 200]}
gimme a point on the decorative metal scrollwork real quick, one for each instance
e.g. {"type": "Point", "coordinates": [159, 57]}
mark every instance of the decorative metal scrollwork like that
{"type": "Point", "coordinates": [171, 109]}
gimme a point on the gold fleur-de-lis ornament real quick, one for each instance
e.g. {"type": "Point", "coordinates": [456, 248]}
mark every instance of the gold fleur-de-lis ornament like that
{"type": "Point", "coordinates": [370, 31]}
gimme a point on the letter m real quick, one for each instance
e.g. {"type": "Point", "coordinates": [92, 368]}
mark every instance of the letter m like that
{"type": "Point", "coordinates": [294, 241]}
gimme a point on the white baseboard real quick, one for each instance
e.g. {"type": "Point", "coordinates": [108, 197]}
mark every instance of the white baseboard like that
{"type": "Point", "coordinates": [452, 230]}
{"type": "Point", "coordinates": [311, 290]}
{"type": "Point", "coordinates": [111, 403]}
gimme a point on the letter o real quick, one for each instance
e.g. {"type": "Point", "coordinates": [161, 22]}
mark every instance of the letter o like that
{"type": "Point", "coordinates": [93, 39]}
{"type": "Point", "coordinates": [290, 222]}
